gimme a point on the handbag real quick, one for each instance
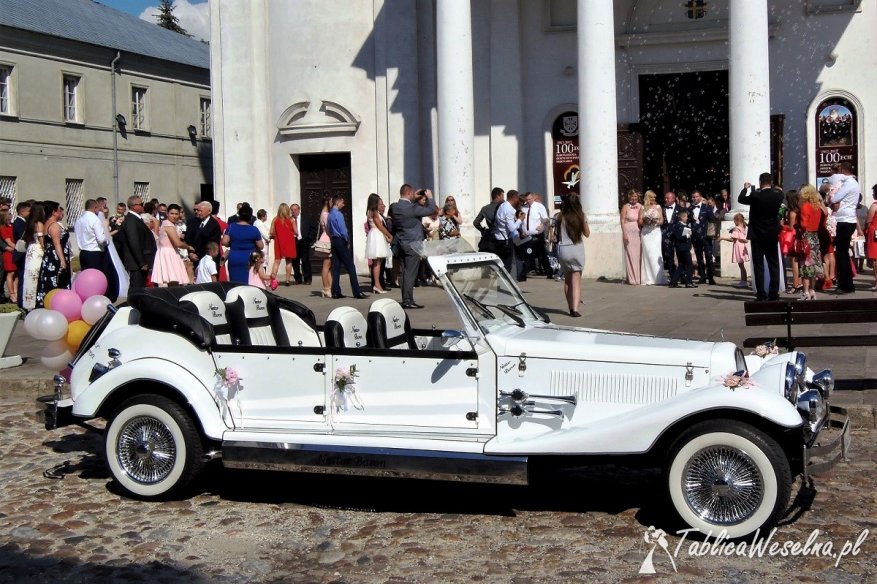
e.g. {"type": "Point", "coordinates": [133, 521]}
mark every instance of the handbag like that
{"type": "Point", "coordinates": [712, 230]}
{"type": "Point", "coordinates": [323, 246]}
{"type": "Point", "coordinates": [787, 240]}
{"type": "Point", "coordinates": [801, 247]}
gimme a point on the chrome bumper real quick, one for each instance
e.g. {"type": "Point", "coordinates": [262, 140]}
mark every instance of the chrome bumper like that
{"type": "Point", "coordinates": [829, 445]}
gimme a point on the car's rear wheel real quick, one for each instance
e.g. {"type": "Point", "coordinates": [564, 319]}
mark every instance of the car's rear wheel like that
{"type": "Point", "coordinates": [153, 449]}
{"type": "Point", "coordinates": [726, 475]}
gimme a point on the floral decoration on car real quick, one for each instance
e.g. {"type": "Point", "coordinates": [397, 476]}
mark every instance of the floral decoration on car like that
{"type": "Point", "coordinates": [766, 350]}
{"type": "Point", "coordinates": [227, 387]}
{"type": "Point", "coordinates": [736, 380]}
{"type": "Point", "coordinates": [344, 392]}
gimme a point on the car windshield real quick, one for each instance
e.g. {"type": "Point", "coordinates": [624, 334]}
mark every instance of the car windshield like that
{"type": "Point", "coordinates": [490, 295]}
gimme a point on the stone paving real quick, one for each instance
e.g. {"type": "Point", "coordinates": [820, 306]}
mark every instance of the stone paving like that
{"type": "Point", "coordinates": [249, 526]}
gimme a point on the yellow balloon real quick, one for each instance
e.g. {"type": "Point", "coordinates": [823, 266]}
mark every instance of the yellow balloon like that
{"type": "Point", "coordinates": [47, 300]}
{"type": "Point", "coordinates": [76, 332]}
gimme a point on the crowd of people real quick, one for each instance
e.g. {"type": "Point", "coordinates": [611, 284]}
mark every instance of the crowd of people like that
{"type": "Point", "coordinates": [816, 231]}
{"type": "Point", "coordinates": [822, 235]}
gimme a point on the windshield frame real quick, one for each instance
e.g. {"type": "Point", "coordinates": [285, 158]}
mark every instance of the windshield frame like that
{"type": "Point", "coordinates": [494, 289]}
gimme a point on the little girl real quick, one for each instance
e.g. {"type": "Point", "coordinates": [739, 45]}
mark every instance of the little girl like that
{"type": "Point", "coordinates": [258, 275]}
{"type": "Point", "coordinates": [739, 254]}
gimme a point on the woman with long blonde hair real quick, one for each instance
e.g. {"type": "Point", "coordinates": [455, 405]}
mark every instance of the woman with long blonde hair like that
{"type": "Point", "coordinates": [811, 214]}
{"type": "Point", "coordinates": [283, 233]}
{"type": "Point", "coordinates": [325, 273]}
{"type": "Point", "coordinates": [651, 217]}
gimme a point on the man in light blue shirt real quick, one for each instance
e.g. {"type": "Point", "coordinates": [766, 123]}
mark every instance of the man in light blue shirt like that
{"type": "Point", "coordinates": [340, 239]}
{"type": "Point", "coordinates": [506, 227]}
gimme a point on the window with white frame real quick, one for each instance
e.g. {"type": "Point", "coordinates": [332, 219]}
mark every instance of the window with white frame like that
{"type": "Point", "coordinates": [74, 199]}
{"type": "Point", "coordinates": [7, 190]}
{"type": "Point", "coordinates": [141, 189]}
{"type": "Point", "coordinates": [138, 108]}
{"type": "Point", "coordinates": [205, 110]}
{"type": "Point", "coordinates": [71, 99]}
{"type": "Point", "coordinates": [6, 89]}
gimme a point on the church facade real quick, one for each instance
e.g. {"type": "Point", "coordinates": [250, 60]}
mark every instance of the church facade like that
{"type": "Point", "coordinates": [595, 96]}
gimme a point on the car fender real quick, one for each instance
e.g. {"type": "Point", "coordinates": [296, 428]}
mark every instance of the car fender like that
{"type": "Point", "coordinates": [158, 371]}
{"type": "Point", "coordinates": [635, 432]}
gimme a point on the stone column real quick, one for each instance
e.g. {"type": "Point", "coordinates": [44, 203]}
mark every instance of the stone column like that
{"type": "Point", "coordinates": [749, 99]}
{"type": "Point", "coordinates": [456, 104]}
{"type": "Point", "coordinates": [598, 141]}
{"type": "Point", "coordinates": [749, 105]}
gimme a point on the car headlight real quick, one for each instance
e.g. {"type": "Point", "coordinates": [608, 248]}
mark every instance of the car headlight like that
{"type": "Point", "coordinates": [824, 380]}
{"type": "Point", "coordinates": [800, 365]}
{"type": "Point", "coordinates": [811, 405]}
{"type": "Point", "coordinates": [790, 382]}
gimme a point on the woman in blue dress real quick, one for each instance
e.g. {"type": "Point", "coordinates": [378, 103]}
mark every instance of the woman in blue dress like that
{"type": "Point", "coordinates": [243, 238]}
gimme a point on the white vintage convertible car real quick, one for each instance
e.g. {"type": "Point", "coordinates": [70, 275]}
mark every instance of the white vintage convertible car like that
{"type": "Point", "coordinates": [184, 375]}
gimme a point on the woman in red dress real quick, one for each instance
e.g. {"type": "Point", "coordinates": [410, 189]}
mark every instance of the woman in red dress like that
{"type": "Point", "coordinates": [8, 265]}
{"type": "Point", "coordinates": [871, 235]}
{"type": "Point", "coordinates": [284, 236]}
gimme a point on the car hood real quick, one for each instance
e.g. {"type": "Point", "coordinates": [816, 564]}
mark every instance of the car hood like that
{"type": "Point", "coordinates": [561, 342]}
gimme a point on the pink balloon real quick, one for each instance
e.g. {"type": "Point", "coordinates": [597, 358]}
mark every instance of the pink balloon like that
{"type": "Point", "coordinates": [88, 283]}
{"type": "Point", "coordinates": [68, 303]}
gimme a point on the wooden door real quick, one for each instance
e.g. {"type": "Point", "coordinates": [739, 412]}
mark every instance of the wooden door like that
{"type": "Point", "coordinates": [630, 161]}
{"type": "Point", "coordinates": [323, 174]}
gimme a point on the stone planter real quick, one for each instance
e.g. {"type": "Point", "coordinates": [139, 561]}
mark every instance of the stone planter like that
{"type": "Point", "coordinates": [8, 320]}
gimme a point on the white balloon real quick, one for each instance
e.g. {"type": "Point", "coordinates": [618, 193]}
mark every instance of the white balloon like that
{"type": "Point", "coordinates": [52, 326]}
{"type": "Point", "coordinates": [94, 308]}
{"type": "Point", "coordinates": [32, 320]}
{"type": "Point", "coordinates": [57, 362]}
{"type": "Point", "coordinates": [55, 348]}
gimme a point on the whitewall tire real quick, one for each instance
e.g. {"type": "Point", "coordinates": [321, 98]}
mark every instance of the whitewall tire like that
{"type": "Point", "coordinates": [729, 476]}
{"type": "Point", "coordinates": [152, 448]}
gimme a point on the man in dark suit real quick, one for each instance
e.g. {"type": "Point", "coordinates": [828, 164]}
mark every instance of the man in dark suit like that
{"type": "Point", "coordinates": [407, 214]}
{"type": "Point", "coordinates": [671, 214]}
{"type": "Point", "coordinates": [305, 235]}
{"type": "Point", "coordinates": [138, 244]}
{"type": "Point", "coordinates": [18, 226]}
{"type": "Point", "coordinates": [699, 216]}
{"type": "Point", "coordinates": [201, 231]}
{"type": "Point", "coordinates": [764, 227]}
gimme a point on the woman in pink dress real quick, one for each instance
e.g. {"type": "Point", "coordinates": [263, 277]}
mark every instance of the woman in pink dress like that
{"type": "Point", "coordinates": [631, 236]}
{"type": "Point", "coordinates": [739, 252]}
{"type": "Point", "coordinates": [169, 267]}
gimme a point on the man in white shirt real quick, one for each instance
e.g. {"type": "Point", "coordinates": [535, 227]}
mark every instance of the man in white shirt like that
{"type": "Point", "coordinates": [535, 223]}
{"type": "Point", "coordinates": [846, 198]}
{"type": "Point", "coordinates": [90, 237]}
{"type": "Point", "coordinates": [506, 226]}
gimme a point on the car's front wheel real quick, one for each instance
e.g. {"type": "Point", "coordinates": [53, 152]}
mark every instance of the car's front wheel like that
{"type": "Point", "coordinates": [726, 475]}
{"type": "Point", "coordinates": [152, 448]}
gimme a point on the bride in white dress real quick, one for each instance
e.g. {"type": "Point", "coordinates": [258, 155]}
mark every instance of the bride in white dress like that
{"type": "Point", "coordinates": [650, 220]}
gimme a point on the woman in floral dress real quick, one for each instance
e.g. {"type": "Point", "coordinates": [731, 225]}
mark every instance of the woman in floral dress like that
{"type": "Point", "coordinates": [33, 258]}
{"type": "Point", "coordinates": [55, 269]}
{"type": "Point", "coordinates": [811, 214]}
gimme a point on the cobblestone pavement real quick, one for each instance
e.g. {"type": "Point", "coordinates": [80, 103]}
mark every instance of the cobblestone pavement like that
{"type": "Point", "coordinates": [244, 526]}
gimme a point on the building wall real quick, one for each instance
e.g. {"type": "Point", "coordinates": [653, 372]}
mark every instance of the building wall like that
{"type": "Point", "coordinates": [41, 150]}
{"type": "Point", "coordinates": [376, 58]}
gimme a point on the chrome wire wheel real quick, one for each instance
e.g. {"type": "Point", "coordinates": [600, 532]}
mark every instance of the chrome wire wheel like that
{"type": "Point", "coordinates": [146, 450]}
{"type": "Point", "coordinates": [722, 485]}
{"type": "Point", "coordinates": [152, 447]}
{"type": "Point", "coordinates": [727, 477]}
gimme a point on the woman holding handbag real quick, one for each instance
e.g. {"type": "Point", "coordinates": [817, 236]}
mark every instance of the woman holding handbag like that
{"type": "Point", "coordinates": [323, 247]}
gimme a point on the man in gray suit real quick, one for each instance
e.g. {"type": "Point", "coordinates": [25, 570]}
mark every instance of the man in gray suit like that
{"type": "Point", "coordinates": [407, 214]}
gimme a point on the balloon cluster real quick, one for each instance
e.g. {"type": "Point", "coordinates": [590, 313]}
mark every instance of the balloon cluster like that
{"type": "Point", "coordinates": [68, 316]}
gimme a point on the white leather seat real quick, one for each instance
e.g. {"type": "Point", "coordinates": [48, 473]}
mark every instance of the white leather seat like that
{"type": "Point", "coordinates": [299, 333]}
{"type": "Point", "coordinates": [388, 326]}
{"type": "Point", "coordinates": [212, 309]}
{"type": "Point", "coordinates": [250, 317]}
{"type": "Point", "coordinates": [345, 327]}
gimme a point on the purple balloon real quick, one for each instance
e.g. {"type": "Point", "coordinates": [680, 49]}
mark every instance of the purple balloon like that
{"type": "Point", "coordinates": [88, 283]}
{"type": "Point", "coordinates": [68, 303]}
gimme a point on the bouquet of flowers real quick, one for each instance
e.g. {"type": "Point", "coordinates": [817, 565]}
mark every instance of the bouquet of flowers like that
{"type": "Point", "coordinates": [228, 386]}
{"type": "Point", "coordinates": [766, 350]}
{"type": "Point", "coordinates": [344, 394]}
{"type": "Point", "coordinates": [735, 380]}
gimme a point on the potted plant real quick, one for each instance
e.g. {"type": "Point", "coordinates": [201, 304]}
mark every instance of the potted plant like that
{"type": "Point", "coordinates": [10, 314]}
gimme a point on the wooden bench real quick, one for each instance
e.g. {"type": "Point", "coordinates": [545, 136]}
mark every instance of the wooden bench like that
{"type": "Point", "coordinates": [803, 312]}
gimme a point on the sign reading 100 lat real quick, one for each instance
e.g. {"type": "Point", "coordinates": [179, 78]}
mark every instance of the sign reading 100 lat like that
{"type": "Point", "coordinates": [836, 139]}
{"type": "Point", "coordinates": [565, 155]}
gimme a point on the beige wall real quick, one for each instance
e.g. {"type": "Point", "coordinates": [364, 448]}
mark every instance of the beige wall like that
{"type": "Point", "coordinates": [42, 151]}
